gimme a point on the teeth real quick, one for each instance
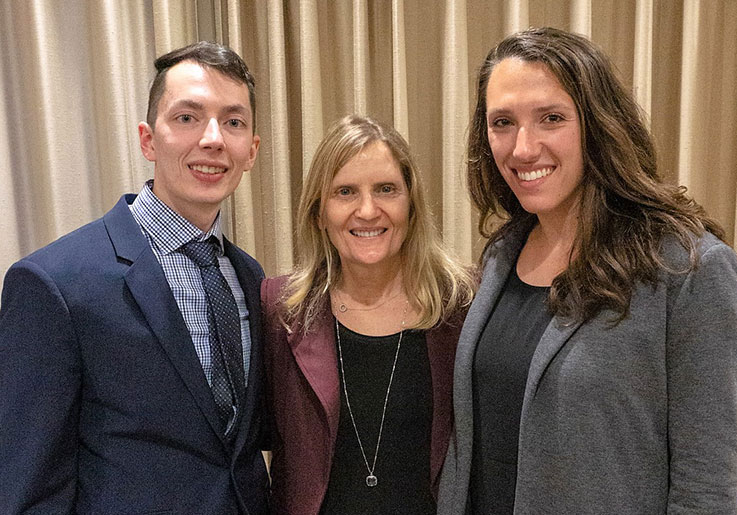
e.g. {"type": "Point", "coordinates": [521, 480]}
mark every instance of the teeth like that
{"type": "Point", "coordinates": [367, 234]}
{"type": "Point", "coordinates": [210, 170]}
{"type": "Point", "coordinates": [535, 174]}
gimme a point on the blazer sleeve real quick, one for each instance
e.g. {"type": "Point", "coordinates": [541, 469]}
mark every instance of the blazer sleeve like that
{"type": "Point", "coordinates": [40, 381]}
{"type": "Point", "coordinates": [701, 365]}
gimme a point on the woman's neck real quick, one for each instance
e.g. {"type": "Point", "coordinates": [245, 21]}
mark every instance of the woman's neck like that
{"type": "Point", "coordinates": [365, 287]}
{"type": "Point", "coordinates": [548, 250]}
{"type": "Point", "coordinates": [372, 303]}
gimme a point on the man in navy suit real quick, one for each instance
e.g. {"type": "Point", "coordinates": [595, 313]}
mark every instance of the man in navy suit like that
{"type": "Point", "coordinates": [117, 394]}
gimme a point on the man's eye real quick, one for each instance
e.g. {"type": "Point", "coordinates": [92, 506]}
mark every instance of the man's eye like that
{"type": "Point", "coordinates": [185, 118]}
{"type": "Point", "coordinates": [235, 123]}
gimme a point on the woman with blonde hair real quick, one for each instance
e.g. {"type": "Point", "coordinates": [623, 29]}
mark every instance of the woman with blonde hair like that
{"type": "Point", "coordinates": [361, 337]}
{"type": "Point", "coordinates": [597, 368]}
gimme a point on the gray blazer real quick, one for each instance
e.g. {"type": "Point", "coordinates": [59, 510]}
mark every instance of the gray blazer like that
{"type": "Point", "coordinates": [638, 418]}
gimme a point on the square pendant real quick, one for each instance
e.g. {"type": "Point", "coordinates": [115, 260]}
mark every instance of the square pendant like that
{"type": "Point", "coordinates": [371, 480]}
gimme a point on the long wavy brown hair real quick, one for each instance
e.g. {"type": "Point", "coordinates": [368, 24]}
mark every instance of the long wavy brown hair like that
{"type": "Point", "coordinates": [626, 209]}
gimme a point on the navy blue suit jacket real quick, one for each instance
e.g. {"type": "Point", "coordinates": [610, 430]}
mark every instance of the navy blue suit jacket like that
{"type": "Point", "coordinates": [104, 407]}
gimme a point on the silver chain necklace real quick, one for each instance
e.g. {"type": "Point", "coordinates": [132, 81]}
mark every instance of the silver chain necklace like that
{"type": "Point", "coordinates": [342, 307]}
{"type": "Point", "coordinates": [371, 480]}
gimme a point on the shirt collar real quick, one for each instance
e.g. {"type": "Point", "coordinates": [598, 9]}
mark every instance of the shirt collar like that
{"type": "Point", "coordinates": [168, 229]}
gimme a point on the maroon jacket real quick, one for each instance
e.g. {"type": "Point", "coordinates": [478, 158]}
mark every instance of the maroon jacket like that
{"type": "Point", "coordinates": [303, 394]}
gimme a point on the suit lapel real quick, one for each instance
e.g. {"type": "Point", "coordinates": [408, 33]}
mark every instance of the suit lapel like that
{"type": "Point", "coordinates": [149, 287]}
{"type": "Point", "coordinates": [317, 358]}
{"type": "Point", "coordinates": [250, 284]}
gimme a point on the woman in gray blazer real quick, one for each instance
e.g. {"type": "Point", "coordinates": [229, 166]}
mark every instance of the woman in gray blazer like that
{"type": "Point", "coordinates": [597, 368]}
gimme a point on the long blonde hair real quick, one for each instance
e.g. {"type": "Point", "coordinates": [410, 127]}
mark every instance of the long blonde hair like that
{"type": "Point", "coordinates": [436, 284]}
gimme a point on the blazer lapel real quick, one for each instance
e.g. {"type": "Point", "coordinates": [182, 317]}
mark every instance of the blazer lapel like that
{"type": "Point", "coordinates": [500, 259]}
{"type": "Point", "coordinates": [250, 284]}
{"type": "Point", "coordinates": [552, 341]}
{"type": "Point", "coordinates": [149, 287]}
{"type": "Point", "coordinates": [317, 358]}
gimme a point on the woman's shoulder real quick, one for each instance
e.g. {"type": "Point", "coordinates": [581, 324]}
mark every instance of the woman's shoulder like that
{"type": "Point", "coordinates": [708, 269]}
{"type": "Point", "coordinates": [715, 253]}
{"type": "Point", "coordinates": [452, 323]}
{"type": "Point", "coordinates": [275, 282]}
{"type": "Point", "coordinates": [677, 256]}
{"type": "Point", "coordinates": [708, 242]}
{"type": "Point", "coordinates": [271, 290]}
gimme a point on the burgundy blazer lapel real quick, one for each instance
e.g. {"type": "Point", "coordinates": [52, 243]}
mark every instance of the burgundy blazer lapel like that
{"type": "Point", "coordinates": [316, 356]}
{"type": "Point", "coordinates": [317, 359]}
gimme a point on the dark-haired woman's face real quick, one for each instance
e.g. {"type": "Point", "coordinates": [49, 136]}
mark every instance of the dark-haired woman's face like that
{"type": "Point", "coordinates": [535, 137]}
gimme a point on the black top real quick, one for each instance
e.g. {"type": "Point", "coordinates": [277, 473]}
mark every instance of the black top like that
{"type": "Point", "coordinates": [500, 368]}
{"type": "Point", "coordinates": [403, 463]}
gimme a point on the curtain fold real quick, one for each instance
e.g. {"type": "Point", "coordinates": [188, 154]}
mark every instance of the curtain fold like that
{"type": "Point", "coordinates": [310, 80]}
{"type": "Point", "coordinates": [643, 62]}
{"type": "Point", "coordinates": [75, 78]}
{"type": "Point", "coordinates": [272, 176]}
{"type": "Point", "coordinates": [516, 16]}
{"type": "Point", "coordinates": [456, 212]}
{"type": "Point", "coordinates": [399, 70]}
{"type": "Point", "coordinates": [581, 16]}
{"type": "Point", "coordinates": [175, 24]}
{"type": "Point", "coordinates": [360, 56]}
{"type": "Point", "coordinates": [708, 106]}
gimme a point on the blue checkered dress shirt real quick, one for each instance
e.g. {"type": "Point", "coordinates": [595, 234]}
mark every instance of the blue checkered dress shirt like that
{"type": "Point", "coordinates": [166, 231]}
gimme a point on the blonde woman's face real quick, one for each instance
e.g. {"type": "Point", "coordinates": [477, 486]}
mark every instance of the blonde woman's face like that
{"type": "Point", "coordinates": [366, 213]}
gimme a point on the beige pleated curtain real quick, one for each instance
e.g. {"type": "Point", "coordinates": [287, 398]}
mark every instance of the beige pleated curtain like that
{"type": "Point", "coordinates": [75, 75]}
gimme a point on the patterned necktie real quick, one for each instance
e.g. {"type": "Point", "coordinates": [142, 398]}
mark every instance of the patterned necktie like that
{"type": "Point", "coordinates": [226, 348]}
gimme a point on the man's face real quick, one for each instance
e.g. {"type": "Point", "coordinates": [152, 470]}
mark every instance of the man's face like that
{"type": "Point", "coordinates": [202, 143]}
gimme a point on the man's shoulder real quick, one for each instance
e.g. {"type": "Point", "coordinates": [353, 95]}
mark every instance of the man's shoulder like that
{"type": "Point", "coordinates": [79, 247]}
{"type": "Point", "coordinates": [78, 242]}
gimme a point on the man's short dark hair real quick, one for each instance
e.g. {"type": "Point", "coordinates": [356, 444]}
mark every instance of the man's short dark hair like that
{"type": "Point", "coordinates": [206, 54]}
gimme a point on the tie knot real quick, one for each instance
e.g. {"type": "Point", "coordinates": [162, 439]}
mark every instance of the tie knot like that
{"type": "Point", "coordinates": [203, 253]}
